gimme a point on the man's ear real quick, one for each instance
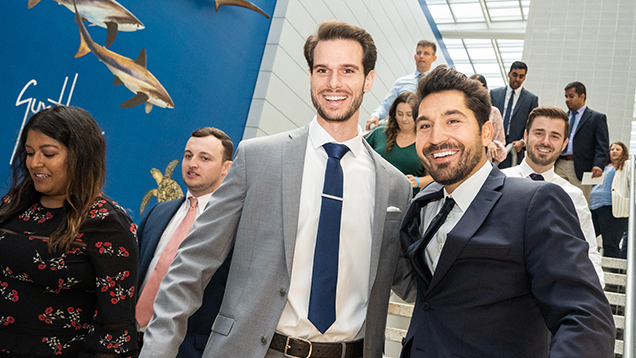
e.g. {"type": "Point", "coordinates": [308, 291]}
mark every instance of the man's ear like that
{"type": "Point", "coordinates": [486, 133]}
{"type": "Point", "coordinates": [368, 81]}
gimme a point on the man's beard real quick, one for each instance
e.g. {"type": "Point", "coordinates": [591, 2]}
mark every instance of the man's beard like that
{"type": "Point", "coordinates": [355, 105]}
{"type": "Point", "coordinates": [445, 174]}
{"type": "Point", "coordinates": [539, 160]}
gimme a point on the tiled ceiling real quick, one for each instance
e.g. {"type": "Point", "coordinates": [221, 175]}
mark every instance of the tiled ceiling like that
{"type": "Point", "coordinates": [482, 36]}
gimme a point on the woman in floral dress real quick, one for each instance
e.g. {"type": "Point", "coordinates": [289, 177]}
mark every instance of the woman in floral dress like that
{"type": "Point", "coordinates": [68, 254]}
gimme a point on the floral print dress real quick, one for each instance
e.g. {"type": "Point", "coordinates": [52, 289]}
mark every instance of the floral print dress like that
{"type": "Point", "coordinates": [74, 303]}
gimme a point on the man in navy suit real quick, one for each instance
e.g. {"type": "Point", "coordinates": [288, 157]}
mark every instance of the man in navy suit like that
{"type": "Point", "coordinates": [515, 112]}
{"type": "Point", "coordinates": [206, 160]}
{"type": "Point", "coordinates": [588, 148]}
{"type": "Point", "coordinates": [501, 264]}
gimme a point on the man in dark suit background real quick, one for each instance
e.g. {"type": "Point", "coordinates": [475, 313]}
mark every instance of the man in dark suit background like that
{"type": "Point", "coordinates": [206, 160]}
{"type": "Point", "coordinates": [588, 147]}
{"type": "Point", "coordinates": [515, 113]}
{"type": "Point", "coordinates": [500, 263]}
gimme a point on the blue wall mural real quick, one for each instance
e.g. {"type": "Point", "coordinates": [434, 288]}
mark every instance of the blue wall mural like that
{"type": "Point", "coordinates": [206, 60]}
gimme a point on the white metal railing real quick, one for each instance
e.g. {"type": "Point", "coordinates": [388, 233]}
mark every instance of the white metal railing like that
{"type": "Point", "coordinates": [630, 289]}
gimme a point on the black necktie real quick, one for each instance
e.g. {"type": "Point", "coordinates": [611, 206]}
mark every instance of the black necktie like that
{"type": "Point", "coordinates": [506, 119]}
{"type": "Point", "coordinates": [537, 177]}
{"type": "Point", "coordinates": [432, 229]}
{"type": "Point", "coordinates": [324, 278]}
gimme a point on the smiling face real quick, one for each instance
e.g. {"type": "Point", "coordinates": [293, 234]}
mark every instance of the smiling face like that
{"type": "Point", "coordinates": [516, 78]}
{"type": "Point", "coordinates": [544, 142]}
{"type": "Point", "coordinates": [203, 167]}
{"type": "Point", "coordinates": [424, 58]}
{"type": "Point", "coordinates": [404, 117]}
{"type": "Point", "coordinates": [46, 162]}
{"type": "Point", "coordinates": [449, 141]}
{"type": "Point", "coordinates": [338, 81]}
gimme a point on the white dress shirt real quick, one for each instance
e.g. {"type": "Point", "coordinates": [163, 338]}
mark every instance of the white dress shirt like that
{"type": "Point", "coordinates": [354, 262]}
{"type": "Point", "coordinates": [524, 170]}
{"type": "Point", "coordinates": [463, 195]}
{"type": "Point", "coordinates": [170, 229]}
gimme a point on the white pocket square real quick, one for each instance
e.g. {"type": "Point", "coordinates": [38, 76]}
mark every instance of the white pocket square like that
{"type": "Point", "coordinates": [393, 209]}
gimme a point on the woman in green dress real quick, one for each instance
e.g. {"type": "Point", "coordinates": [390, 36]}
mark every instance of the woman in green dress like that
{"type": "Point", "coordinates": [395, 142]}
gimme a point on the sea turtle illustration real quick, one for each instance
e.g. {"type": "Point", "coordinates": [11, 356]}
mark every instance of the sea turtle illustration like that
{"type": "Point", "coordinates": [167, 189]}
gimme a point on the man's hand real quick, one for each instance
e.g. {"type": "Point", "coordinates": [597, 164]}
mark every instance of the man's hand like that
{"type": "Point", "coordinates": [596, 172]}
{"type": "Point", "coordinates": [373, 120]}
{"type": "Point", "coordinates": [518, 144]}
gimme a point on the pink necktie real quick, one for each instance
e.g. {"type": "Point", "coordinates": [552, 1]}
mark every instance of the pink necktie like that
{"type": "Point", "coordinates": [144, 305]}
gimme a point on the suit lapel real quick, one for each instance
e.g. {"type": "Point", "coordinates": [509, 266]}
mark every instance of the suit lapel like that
{"type": "Point", "coordinates": [523, 96]}
{"type": "Point", "coordinates": [410, 230]}
{"type": "Point", "coordinates": [499, 98]}
{"type": "Point", "coordinates": [470, 222]}
{"type": "Point", "coordinates": [293, 159]}
{"type": "Point", "coordinates": [382, 185]}
{"type": "Point", "coordinates": [584, 117]}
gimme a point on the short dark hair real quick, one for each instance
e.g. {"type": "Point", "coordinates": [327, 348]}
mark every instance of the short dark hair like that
{"type": "Point", "coordinates": [550, 112]}
{"type": "Point", "coordinates": [480, 78]}
{"type": "Point", "coordinates": [427, 43]}
{"type": "Point", "coordinates": [339, 30]}
{"type": "Point", "coordinates": [578, 87]}
{"type": "Point", "coordinates": [228, 147]}
{"type": "Point", "coordinates": [444, 78]}
{"type": "Point", "coordinates": [519, 65]}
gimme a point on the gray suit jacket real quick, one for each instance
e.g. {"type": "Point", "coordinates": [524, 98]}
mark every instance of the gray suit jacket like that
{"type": "Point", "coordinates": [256, 211]}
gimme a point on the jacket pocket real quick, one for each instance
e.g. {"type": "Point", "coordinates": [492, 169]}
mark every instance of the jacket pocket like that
{"type": "Point", "coordinates": [223, 324]}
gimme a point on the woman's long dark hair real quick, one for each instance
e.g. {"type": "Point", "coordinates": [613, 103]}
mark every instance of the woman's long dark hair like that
{"type": "Point", "coordinates": [392, 127]}
{"type": "Point", "coordinates": [85, 169]}
{"type": "Point", "coordinates": [620, 162]}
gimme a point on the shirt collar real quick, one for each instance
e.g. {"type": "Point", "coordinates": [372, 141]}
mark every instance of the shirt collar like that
{"type": "Point", "coordinates": [203, 201]}
{"type": "Point", "coordinates": [517, 91]}
{"type": "Point", "coordinates": [465, 193]}
{"type": "Point", "coordinates": [579, 111]}
{"type": "Point", "coordinates": [526, 170]}
{"type": "Point", "coordinates": [319, 136]}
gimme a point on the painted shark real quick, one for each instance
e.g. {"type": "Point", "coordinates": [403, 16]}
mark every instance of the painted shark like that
{"type": "Point", "coordinates": [108, 14]}
{"type": "Point", "coordinates": [242, 3]}
{"type": "Point", "coordinates": [132, 74]}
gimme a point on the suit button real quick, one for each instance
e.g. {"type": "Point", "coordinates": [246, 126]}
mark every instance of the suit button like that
{"type": "Point", "coordinates": [282, 292]}
{"type": "Point", "coordinates": [426, 306]}
{"type": "Point", "coordinates": [263, 340]}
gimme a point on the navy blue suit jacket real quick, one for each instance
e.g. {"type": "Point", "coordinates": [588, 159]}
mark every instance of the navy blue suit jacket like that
{"type": "Point", "coordinates": [525, 104]}
{"type": "Point", "coordinates": [590, 146]}
{"type": "Point", "coordinates": [513, 270]}
{"type": "Point", "coordinates": [200, 323]}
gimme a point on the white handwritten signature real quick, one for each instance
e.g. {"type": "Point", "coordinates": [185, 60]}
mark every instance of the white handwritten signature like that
{"type": "Point", "coordinates": [33, 106]}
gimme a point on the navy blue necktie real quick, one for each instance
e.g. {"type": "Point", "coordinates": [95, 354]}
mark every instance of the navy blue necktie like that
{"type": "Point", "coordinates": [432, 229]}
{"type": "Point", "coordinates": [506, 119]}
{"type": "Point", "coordinates": [536, 177]}
{"type": "Point", "coordinates": [322, 302]}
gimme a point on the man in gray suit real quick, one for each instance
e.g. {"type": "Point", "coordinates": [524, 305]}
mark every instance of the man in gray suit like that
{"type": "Point", "coordinates": [312, 266]}
{"type": "Point", "coordinates": [515, 104]}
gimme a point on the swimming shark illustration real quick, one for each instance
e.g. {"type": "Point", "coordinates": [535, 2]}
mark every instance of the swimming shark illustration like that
{"type": "Point", "coordinates": [108, 14]}
{"type": "Point", "coordinates": [242, 3]}
{"type": "Point", "coordinates": [132, 74]}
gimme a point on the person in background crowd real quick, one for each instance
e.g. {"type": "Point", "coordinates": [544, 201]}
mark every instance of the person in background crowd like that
{"type": "Point", "coordinates": [587, 149]}
{"type": "Point", "coordinates": [496, 149]}
{"type": "Point", "coordinates": [546, 135]}
{"type": "Point", "coordinates": [395, 142]}
{"type": "Point", "coordinates": [609, 201]}
{"type": "Point", "coordinates": [206, 160]}
{"type": "Point", "coordinates": [515, 104]}
{"type": "Point", "coordinates": [68, 253]}
{"type": "Point", "coordinates": [424, 58]}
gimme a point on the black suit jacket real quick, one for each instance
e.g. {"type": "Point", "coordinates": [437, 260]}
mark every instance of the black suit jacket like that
{"type": "Point", "coordinates": [590, 145]}
{"type": "Point", "coordinates": [525, 104]}
{"type": "Point", "coordinates": [200, 324]}
{"type": "Point", "coordinates": [513, 270]}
